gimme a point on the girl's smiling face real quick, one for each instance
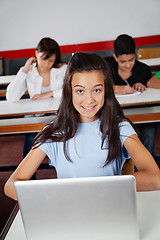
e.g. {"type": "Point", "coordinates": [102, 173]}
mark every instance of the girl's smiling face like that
{"type": "Point", "coordinates": [88, 91]}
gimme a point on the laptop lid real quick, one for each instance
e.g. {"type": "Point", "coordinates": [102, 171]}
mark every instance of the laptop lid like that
{"type": "Point", "coordinates": [95, 208]}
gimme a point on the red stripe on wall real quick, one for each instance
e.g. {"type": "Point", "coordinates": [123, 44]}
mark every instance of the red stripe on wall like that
{"type": "Point", "coordinates": [87, 47]}
{"type": "Point", "coordinates": [150, 40]}
{"type": "Point", "coordinates": [22, 53]}
{"type": "Point", "coordinates": [84, 47]}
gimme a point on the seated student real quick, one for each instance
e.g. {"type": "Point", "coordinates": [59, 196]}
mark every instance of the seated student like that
{"type": "Point", "coordinates": [154, 82]}
{"type": "Point", "coordinates": [130, 75]}
{"type": "Point", "coordinates": [41, 75]}
{"type": "Point", "coordinates": [90, 136]}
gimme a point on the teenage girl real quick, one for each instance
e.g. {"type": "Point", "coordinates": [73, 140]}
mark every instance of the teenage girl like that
{"type": "Point", "coordinates": [90, 135]}
{"type": "Point", "coordinates": [42, 76]}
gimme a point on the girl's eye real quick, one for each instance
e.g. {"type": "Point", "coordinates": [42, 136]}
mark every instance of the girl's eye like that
{"type": "Point", "coordinates": [51, 61]}
{"type": "Point", "coordinates": [97, 90]}
{"type": "Point", "coordinates": [79, 91]}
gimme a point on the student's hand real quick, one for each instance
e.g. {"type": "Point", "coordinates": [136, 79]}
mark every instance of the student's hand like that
{"type": "Point", "coordinates": [24, 171]}
{"type": "Point", "coordinates": [139, 87]}
{"type": "Point", "coordinates": [118, 89]}
{"type": "Point", "coordinates": [42, 96]}
{"type": "Point", "coordinates": [28, 64]}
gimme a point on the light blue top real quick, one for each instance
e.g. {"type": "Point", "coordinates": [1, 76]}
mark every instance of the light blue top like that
{"type": "Point", "coordinates": [85, 151]}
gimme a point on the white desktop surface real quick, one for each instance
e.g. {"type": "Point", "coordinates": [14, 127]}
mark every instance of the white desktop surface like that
{"type": "Point", "coordinates": [148, 96]}
{"type": "Point", "coordinates": [151, 61]}
{"type": "Point", "coordinates": [6, 79]}
{"type": "Point", "coordinates": [27, 106]}
{"type": "Point", "coordinates": [149, 215]}
{"type": "Point", "coordinates": [148, 218]}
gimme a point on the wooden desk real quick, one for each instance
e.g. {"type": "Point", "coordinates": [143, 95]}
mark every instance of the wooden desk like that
{"type": "Point", "coordinates": [143, 114]}
{"type": "Point", "coordinates": [141, 108]}
{"type": "Point", "coordinates": [23, 125]}
{"type": "Point", "coordinates": [35, 124]}
{"type": "Point", "coordinates": [12, 115]}
{"type": "Point", "coordinates": [148, 218]}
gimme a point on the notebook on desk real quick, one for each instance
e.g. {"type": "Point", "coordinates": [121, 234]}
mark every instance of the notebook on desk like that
{"type": "Point", "coordinates": [95, 208]}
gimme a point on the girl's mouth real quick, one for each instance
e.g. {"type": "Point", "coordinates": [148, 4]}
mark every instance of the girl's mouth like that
{"type": "Point", "coordinates": [89, 108]}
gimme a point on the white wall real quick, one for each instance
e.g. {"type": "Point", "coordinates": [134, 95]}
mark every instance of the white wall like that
{"type": "Point", "coordinates": [24, 22]}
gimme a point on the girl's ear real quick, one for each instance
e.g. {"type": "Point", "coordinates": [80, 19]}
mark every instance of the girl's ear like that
{"type": "Point", "coordinates": [115, 57]}
{"type": "Point", "coordinates": [36, 53]}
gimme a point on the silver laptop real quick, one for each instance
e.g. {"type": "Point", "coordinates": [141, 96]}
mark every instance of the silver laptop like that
{"type": "Point", "coordinates": [96, 208]}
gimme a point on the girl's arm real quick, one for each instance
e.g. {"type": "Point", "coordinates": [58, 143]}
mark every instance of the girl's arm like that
{"type": "Point", "coordinates": [18, 87]}
{"type": "Point", "coordinates": [28, 64]}
{"type": "Point", "coordinates": [148, 174]}
{"type": "Point", "coordinates": [24, 171]}
{"type": "Point", "coordinates": [42, 95]}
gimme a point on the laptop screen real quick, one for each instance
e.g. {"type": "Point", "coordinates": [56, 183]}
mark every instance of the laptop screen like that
{"type": "Point", "coordinates": [93, 208]}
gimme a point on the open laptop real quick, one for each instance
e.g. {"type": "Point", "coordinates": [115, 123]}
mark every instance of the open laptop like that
{"type": "Point", "coordinates": [96, 208]}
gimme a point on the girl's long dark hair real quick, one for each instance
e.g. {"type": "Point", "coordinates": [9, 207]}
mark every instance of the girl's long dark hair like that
{"type": "Point", "coordinates": [65, 125]}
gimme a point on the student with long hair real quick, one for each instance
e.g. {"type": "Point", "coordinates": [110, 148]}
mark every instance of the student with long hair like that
{"type": "Point", "coordinates": [42, 76]}
{"type": "Point", "coordinates": [90, 136]}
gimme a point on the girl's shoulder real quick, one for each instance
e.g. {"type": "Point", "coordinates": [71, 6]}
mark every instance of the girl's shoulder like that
{"type": "Point", "coordinates": [125, 131]}
{"type": "Point", "coordinates": [126, 128]}
{"type": "Point", "coordinates": [125, 124]}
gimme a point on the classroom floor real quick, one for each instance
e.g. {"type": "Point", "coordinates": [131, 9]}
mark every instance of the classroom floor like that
{"type": "Point", "coordinates": [11, 154]}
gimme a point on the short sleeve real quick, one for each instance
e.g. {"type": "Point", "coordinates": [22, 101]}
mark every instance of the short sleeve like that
{"type": "Point", "coordinates": [50, 150]}
{"type": "Point", "coordinates": [125, 130]}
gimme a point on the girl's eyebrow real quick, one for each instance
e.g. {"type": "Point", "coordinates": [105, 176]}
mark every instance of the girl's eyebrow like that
{"type": "Point", "coordinates": [97, 85]}
{"type": "Point", "coordinates": [79, 86]}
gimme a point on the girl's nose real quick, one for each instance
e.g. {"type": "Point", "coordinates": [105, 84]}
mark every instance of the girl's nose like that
{"type": "Point", "coordinates": [89, 98]}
